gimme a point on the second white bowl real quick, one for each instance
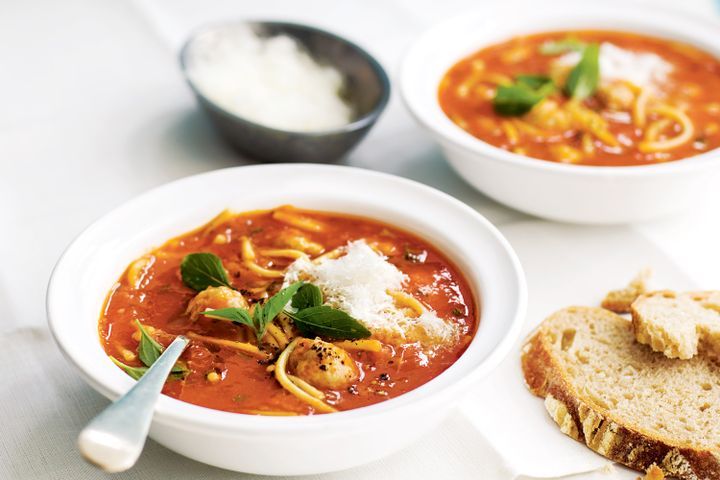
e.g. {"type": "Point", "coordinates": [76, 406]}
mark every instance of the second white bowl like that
{"type": "Point", "coordinates": [572, 193]}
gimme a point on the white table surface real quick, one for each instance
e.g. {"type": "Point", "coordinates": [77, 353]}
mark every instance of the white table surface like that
{"type": "Point", "coordinates": [94, 111]}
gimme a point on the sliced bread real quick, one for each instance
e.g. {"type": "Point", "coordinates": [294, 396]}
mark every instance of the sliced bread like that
{"type": "Point", "coordinates": [654, 473]}
{"type": "Point", "coordinates": [626, 402]}
{"type": "Point", "coordinates": [708, 299]}
{"type": "Point", "coordinates": [619, 301]}
{"type": "Point", "coordinates": [678, 325]}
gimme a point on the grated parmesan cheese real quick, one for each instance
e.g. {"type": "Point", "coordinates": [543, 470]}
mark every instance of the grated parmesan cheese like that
{"type": "Point", "coordinates": [358, 283]}
{"type": "Point", "coordinates": [269, 80]}
{"type": "Point", "coordinates": [640, 69]}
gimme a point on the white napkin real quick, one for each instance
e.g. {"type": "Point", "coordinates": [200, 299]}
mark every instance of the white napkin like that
{"type": "Point", "coordinates": [565, 265]}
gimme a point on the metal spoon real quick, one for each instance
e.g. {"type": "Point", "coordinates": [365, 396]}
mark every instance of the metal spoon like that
{"type": "Point", "coordinates": [115, 438]}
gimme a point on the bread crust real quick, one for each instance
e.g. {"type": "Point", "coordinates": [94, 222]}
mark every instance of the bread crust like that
{"type": "Point", "coordinates": [619, 301]}
{"type": "Point", "coordinates": [596, 427]}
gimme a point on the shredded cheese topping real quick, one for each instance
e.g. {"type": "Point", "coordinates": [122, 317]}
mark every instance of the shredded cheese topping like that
{"type": "Point", "coordinates": [641, 69]}
{"type": "Point", "coordinates": [271, 80]}
{"type": "Point", "coordinates": [360, 283]}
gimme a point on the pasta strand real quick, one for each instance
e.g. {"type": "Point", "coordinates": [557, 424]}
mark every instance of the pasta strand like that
{"type": "Point", "coordinates": [299, 221]}
{"type": "Point", "coordinates": [283, 252]}
{"type": "Point", "coordinates": [309, 389]}
{"type": "Point", "coordinates": [248, 256]}
{"type": "Point", "coordinates": [282, 377]}
{"type": "Point", "coordinates": [365, 345]}
{"type": "Point", "coordinates": [241, 346]}
{"type": "Point", "coordinates": [511, 132]}
{"type": "Point", "coordinates": [405, 300]}
{"type": "Point", "coordinates": [640, 107]}
{"type": "Point", "coordinates": [332, 254]}
{"type": "Point", "coordinates": [304, 244]}
{"type": "Point", "coordinates": [278, 334]}
{"type": "Point", "coordinates": [676, 115]}
{"type": "Point", "coordinates": [590, 121]}
{"type": "Point", "coordinates": [272, 413]}
{"type": "Point", "coordinates": [219, 219]}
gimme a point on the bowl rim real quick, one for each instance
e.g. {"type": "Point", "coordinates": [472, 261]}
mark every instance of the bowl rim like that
{"type": "Point", "coordinates": [194, 417]}
{"type": "Point", "coordinates": [447, 131]}
{"type": "Point", "coordinates": [359, 123]}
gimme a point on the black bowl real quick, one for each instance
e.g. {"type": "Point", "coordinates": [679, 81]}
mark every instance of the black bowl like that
{"type": "Point", "coordinates": [367, 89]}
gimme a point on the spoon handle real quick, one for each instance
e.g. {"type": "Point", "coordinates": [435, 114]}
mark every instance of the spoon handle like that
{"type": "Point", "coordinates": [114, 439]}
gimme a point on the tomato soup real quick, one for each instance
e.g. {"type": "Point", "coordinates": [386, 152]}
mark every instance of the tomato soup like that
{"type": "Point", "coordinates": [600, 98]}
{"type": "Point", "coordinates": [291, 312]}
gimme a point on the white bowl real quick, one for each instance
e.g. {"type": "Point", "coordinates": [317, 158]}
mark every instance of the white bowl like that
{"type": "Point", "coordinates": [289, 445]}
{"type": "Point", "coordinates": [573, 193]}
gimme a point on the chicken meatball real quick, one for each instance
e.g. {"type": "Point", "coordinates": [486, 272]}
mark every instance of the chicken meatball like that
{"type": "Point", "coordinates": [215, 298]}
{"type": "Point", "coordinates": [323, 365]}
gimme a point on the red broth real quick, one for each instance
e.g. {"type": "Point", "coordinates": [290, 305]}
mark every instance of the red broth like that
{"type": "Point", "coordinates": [158, 298]}
{"type": "Point", "coordinates": [550, 132]}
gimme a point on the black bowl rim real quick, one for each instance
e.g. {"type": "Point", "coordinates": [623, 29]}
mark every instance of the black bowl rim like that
{"type": "Point", "coordinates": [359, 123]}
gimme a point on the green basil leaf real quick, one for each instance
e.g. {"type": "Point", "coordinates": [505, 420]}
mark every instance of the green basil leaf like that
{"type": "Point", "coordinates": [259, 322]}
{"type": "Point", "coordinates": [276, 304]}
{"type": "Point", "coordinates": [541, 84]}
{"type": "Point", "coordinates": [148, 350]}
{"type": "Point", "coordinates": [308, 295]}
{"type": "Point", "coordinates": [179, 369]}
{"type": "Point", "coordinates": [515, 100]}
{"type": "Point", "coordinates": [202, 270]}
{"type": "Point", "coordinates": [522, 95]}
{"type": "Point", "coordinates": [583, 80]}
{"type": "Point", "coordinates": [238, 316]}
{"type": "Point", "coordinates": [134, 372]}
{"type": "Point", "coordinates": [328, 322]}
{"type": "Point", "coordinates": [262, 314]}
{"type": "Point", "coordinates": [556, 47]}
{"type": "Point", "coordinates": [266, 313]}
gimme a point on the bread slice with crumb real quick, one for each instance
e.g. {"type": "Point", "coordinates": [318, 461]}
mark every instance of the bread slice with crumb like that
{"type": "Point", "coordinates": [708, 299]}
{"type": "Point", "coordinates": [624, 401]}
{"type": "Point", "coordinates": [619, 301]}
{"type": "Point", "coordinates": [680, 325]}
{"type": "Point", "coordinates": [653, 473]}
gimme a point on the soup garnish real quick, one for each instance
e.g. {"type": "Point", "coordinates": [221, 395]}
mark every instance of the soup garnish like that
{"type": "Point", "coordinates": [588, 97]}
{"type": "Point", "coordinates": [291, 312]}
{"type": "Point", "coordinates": [270, 80]}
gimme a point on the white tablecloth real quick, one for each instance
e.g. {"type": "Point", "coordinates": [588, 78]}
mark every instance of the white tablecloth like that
{"type": "Point", "coordinates": [94, 111]}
